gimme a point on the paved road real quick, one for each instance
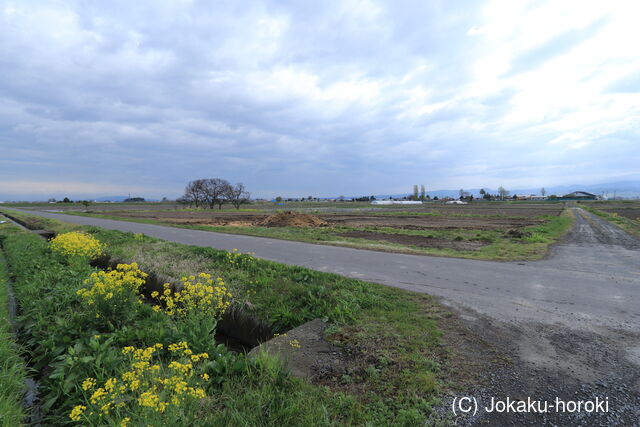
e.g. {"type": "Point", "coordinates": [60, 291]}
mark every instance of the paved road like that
{"type": "Point", "coordinates": [591, 280]}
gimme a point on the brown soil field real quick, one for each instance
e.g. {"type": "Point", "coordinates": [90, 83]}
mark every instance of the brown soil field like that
{"type": "Point", "coordinates": [631, 213]}
{"type": "Point", "coordinates": [419, 241]}
{"type": "Point", "coordinates": [448, 217]}
{"type": "Point", "coordinates": [407, 222]}
{"type": "Point", "coordinates": [627, 209]}
{"type": "Point", "coordinates": [526, 210]}
{"type": "Point", "coordinates": [292, 219]}
{"type": "Point", "coordinates": [432, 222]}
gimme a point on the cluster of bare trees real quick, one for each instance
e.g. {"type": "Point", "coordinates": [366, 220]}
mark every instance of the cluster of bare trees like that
{"type": "Point", "coordinates": [210, 192]}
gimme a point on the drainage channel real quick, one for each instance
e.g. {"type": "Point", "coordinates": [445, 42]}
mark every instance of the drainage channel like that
{"type": "Point", "coordinates": [31, 401]}
{"type": "Point", "coordinates": [238, 329]}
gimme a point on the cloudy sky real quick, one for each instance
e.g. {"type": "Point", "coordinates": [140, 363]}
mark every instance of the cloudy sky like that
{"type": "Point", "coordinates": [315, 98]}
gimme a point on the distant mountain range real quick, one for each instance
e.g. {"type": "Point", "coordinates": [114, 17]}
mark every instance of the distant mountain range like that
{"type": "Point", "coordinates": [119, 199]}
{"type": "Point", "coordinates": [627, 189]}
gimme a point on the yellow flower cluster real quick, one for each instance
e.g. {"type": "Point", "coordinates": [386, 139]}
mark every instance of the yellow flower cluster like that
{"type": "Point", "coordinates": [199, 294]}
{"type": "Point", "coordinates": [76, 412]}
{"type": "Point", "coordinates": [76, 244]}
{"type": "Point", "coordinates": [238, 259]}
{"type": "Point", "coordinates": [147, 384]}
{"type": "Point", "coordinates": [107, 285]}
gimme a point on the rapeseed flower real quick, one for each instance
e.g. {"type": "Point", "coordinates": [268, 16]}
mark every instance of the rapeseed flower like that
{"type": "Point", "coordinates": [202, 295]}
{"type": "Point", "coordinates": [77, 412]}
{"type": "Point", "coordinates": [147, 385]}
{"type": "Point", "coordinates": [115, 293]}
{"type": "Point", "coordinates": [77, 244]}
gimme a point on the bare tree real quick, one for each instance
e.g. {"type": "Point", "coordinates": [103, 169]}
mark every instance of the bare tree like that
{"type": "Point", "coordinates": [415, 192]}
{"type": "Point", "coordinates": [238, 195]}
{"type": "Point", "coordinates": [543, 192]}
{"type": "Point", "coordinates": [194, 192]}
{"type": "Point", "coordinates": [422, 193]}
{"type": "Point", "coordinates": [464, 195]}
{"type": "Point", "coordinates": [502, 192]}
{"type": "Point", "coordinates": [215, 190]}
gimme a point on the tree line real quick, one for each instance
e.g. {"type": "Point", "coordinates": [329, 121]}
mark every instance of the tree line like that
{"type": "Point", "coordinates": [209, 192]}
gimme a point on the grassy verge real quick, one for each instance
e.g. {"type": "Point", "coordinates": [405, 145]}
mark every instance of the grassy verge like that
{"type": "Point", "coordinates": [630, 226]}
{"type": "Point", "coordinates": [12, 369]}
{"type": "Point", "coordinates": [499, 246]}
{"type": "Point", "coordinates": [393, 339]}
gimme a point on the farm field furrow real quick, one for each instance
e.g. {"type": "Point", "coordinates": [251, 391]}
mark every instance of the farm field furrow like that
{"type": "Point", "coordinates": [498, 230]}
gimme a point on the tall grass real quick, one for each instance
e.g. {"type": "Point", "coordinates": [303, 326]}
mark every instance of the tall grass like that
{"type": "Point", "coordinates": [12, 368]}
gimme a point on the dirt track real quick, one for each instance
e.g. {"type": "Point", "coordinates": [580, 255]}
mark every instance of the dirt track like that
{"type": "Point", "coordinates": [591, 229]}
{"type": "Point", "coordinates": [547, 361]}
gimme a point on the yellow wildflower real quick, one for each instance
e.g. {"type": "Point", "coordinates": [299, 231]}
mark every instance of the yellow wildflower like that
{"type": "Point", "coordinates": [148, 399]}
{"type": "Point", "coordinates": [77, 244]}
{"type": "Point", "coordinates": [76, 412]}
{"type": "Point", "coordinates": [88, 384]}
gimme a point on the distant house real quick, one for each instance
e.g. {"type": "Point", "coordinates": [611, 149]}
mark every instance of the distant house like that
{"type": "Point", "coordinates": [538, 197]}
{"type": "Point", "coordinates": [579, 195]}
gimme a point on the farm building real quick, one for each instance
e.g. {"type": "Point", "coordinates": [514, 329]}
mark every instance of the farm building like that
{"type": "Point", "coordinates": [579, 195]}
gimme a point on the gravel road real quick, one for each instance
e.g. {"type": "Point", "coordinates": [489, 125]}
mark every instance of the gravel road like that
{"type": "Point", "coordinates": [568, 325]}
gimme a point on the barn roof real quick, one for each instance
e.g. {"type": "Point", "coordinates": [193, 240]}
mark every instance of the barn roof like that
{"type": "Point", "coordinates": [579, 194]}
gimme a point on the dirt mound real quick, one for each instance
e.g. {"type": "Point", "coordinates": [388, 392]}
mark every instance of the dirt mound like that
{"type": "Point", "coordinates": [292, 219]}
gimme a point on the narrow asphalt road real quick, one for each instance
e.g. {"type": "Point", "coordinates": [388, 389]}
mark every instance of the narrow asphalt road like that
{"type": "Point", "coordinates": [591, 280]}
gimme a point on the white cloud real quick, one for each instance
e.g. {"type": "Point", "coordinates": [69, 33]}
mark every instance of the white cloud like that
{"type": "Point", "coordinates": [279, 94]}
